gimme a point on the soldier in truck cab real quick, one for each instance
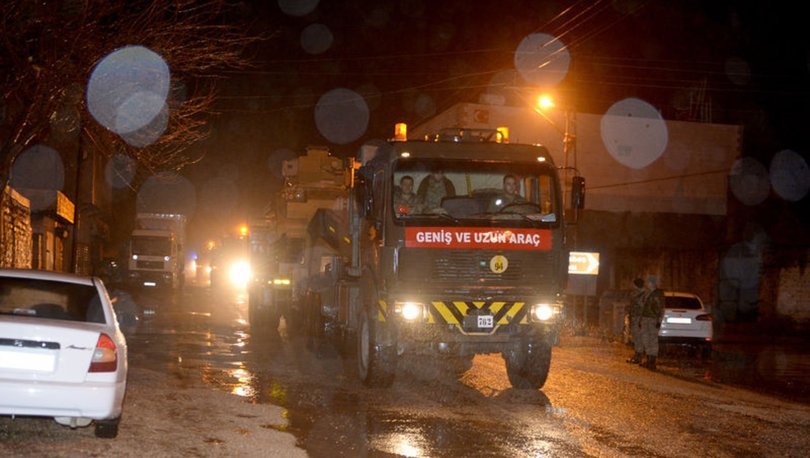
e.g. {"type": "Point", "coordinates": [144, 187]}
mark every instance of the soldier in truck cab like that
{"type": "Point", "coordinates": [405, 200]}
{"type": "Point", "coordinates": [434, 188]}
{"type": "Point", "coordinates": [508, 196]}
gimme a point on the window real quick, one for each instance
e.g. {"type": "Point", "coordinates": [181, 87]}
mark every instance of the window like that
{"type": "Point", "coordinates": [50, 299]}
{"type": "Point", "coordinates": [474, 192]}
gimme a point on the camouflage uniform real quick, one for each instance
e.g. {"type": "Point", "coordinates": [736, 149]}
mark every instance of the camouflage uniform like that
{"type": "Point", "coordinates": [651, 315]}
{"type": "Point", "coordinates": [408, 200]}
{"type": "Point", "coordinates": [431, 192]}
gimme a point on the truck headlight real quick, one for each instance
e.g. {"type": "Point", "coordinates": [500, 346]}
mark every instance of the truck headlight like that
{"type": "Point", "coordinates": [545, 312]}
{"type": "Point", "coordinates": [410, 311]}
{"type": "Point", "coordinates": [239, 273]}
{"type": "Point", "coordinates": [281, 281]}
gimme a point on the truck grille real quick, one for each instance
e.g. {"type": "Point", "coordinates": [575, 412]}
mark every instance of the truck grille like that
{"type": "Point", "coordinates": [150, 265]}
{"type": "Point", "coordinates": [472, 267]}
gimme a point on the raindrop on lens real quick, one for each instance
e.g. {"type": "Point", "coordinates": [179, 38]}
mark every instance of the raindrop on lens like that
{"type": "Point", "coordinates": [341, 116]}
{"type": "Point", "coordinates": [297, 8]}
{"type": "Point", "coordinates": [316, 39]}
{"type": "Point", "coordinates": [790, 176]}
{"type": "Point", "coordinates": [39, 167]}
{"type": "Point", "coordinates": [634, 133]}
{"type": "Point", "coordinates": [749, 181]}
{"type": "Point", "coordinates": [128, 89]}
{"type": "Point", "coordinates": [542, 59]}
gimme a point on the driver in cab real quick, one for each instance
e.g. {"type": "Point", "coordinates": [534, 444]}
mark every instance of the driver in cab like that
{"type": "Point", "coordinates": [508, 196]}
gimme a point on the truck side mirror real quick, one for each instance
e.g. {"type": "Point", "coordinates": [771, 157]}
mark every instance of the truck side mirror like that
{"type": "Point", "coordinates": [364, 198]}
{"type": "Point", "coordinates": [578, 192]}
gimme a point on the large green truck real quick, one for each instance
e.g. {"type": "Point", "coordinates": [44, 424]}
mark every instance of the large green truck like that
{"type": "Point", "coordinates": [480, 272]}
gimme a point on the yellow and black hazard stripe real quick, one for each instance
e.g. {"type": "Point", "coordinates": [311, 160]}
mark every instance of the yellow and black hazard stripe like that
{"type": "Point", "coordinates": [454, 312]}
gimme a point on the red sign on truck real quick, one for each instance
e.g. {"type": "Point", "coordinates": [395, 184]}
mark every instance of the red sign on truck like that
{"type": "Point", "coordinates": [485, 238]}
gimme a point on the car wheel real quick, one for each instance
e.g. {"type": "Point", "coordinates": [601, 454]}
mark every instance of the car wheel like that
{"type": "Point", "coordinates": [107, 429]}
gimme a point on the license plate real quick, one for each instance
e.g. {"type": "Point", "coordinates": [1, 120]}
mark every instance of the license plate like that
{"type": "Point", "coordinates": [485, 321]}
{"type": "Point", "coordinates": [29, 361]}
{"type": "Point", "coordinates": [678, 320]}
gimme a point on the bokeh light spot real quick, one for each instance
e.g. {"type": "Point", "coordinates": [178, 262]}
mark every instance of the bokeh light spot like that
{"type": "Point", "coordinates": [425, 106]}
{"type": "Point", "coordinates": [634, 133]}
{"type": "Point", "coordinates": [38, 167]}
{"type": "Point", "coordinates": [297, 8]}
{"type": "Point", "coordinates": [790, 176]}
{"type": "Point", "coordinates": [316, 39]}
{"type": "Point", "coordinates": [749, 181]}
{"type": "Point", "coordinates": [128, 88]}
{"type": "Point", "coordinates": [341, 116]}
{"type": "Point", "coordinates": [542, 59]}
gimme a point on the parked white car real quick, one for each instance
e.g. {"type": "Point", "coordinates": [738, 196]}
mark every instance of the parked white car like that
{"type": "Point", "coordinates": [62, 353]}
{"type": "Point", "coordinates": [686, 322]}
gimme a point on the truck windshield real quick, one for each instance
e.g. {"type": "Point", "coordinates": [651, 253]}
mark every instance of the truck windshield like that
{"type": "Point", "coordinates": [476, 193]}
{"type": "Point", "coordinates": [151, 246]}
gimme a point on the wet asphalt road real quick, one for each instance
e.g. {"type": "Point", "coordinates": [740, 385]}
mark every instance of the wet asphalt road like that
{"type": "Point", "coordinates": [428, 412]}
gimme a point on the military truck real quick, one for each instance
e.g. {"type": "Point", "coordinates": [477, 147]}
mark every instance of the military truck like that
{"type": "Point", "coordinates": [481, 272]}
{"type": "Point", "coordinates": [313, 181]}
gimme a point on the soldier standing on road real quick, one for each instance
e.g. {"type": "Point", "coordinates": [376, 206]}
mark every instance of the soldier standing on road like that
{"type": "Point", "coordinates": [634, 311]}
{"type": "Point", "coordinates": [652, 313]}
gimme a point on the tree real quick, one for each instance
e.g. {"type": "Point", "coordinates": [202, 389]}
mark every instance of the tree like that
{"type": "Point", "coordinates": [48, 50]}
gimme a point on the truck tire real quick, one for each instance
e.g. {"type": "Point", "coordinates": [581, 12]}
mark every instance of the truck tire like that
{"type": "Point", "coordinates": [376, 364]}
{"type": "Point", "coordinates": [527, 367]}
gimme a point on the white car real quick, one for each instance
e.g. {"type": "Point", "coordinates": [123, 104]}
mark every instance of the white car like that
{"type": "Point", "coordinates": [62, 354]}
{"type": "Point", "coordinates": [686, 322]}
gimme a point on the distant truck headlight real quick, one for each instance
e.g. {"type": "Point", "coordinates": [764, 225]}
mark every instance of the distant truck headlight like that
{"type": "Point", "coordinates": [544, 312]}
{"type": "Point", "coordinates": [239, 273]}
{"type": "Point", "coordinates": [410, 311]}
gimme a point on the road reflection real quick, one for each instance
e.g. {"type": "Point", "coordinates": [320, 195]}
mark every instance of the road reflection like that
{"type": "Point", "coordinates": [329, 412]}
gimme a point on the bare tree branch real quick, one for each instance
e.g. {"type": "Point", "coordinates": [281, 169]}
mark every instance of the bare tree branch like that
{"type": "Point", "coordinates": [48, 50]}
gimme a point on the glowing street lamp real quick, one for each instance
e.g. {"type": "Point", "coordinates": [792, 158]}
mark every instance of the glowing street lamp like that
{"type": "Point", "coordinates": [545, 102]}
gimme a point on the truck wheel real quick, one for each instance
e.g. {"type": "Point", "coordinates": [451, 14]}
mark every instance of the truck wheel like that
{"type": "Point", "coordinates": [314, 326]}
{"type": "Point", "coordinates": [527, 367]}
{"type": "Point", "coordinates": [376, 364]}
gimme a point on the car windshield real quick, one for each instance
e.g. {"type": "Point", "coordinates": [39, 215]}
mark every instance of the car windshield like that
{"type": "Point", "coordinates": [50, 299]}
{"type": "Point", "coordinates": [151, 245]}
{"type": "Point", "coordinates": [470, 192]}
{"type": "Point", "coordinates": [682, 303]}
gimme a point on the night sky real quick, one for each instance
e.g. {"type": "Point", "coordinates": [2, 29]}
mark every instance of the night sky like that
{"type": "Point", "coordinates": [744, 63]}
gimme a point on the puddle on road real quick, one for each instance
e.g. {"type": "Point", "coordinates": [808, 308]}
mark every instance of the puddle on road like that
{"type": "Point", "coordinates": [329, 417]}
{"type": "Point", "coordinates": [777, 370]}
